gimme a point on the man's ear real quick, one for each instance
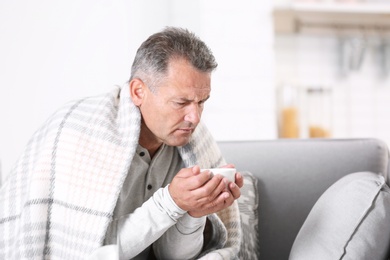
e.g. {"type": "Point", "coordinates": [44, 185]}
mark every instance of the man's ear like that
{"type": "Point", "coordinates": [137, 91]}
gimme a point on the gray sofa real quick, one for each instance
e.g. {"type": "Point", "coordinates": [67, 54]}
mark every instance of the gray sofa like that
{"type": "Point", "coordinates": [291, 176]}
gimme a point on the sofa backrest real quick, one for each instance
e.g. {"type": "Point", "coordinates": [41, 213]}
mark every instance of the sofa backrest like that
{"type": "Point", "coordinates": [293, 173]}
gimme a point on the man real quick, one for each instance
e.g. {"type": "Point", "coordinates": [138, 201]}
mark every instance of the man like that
{"type": "Point", "coordinates": [124, 168]}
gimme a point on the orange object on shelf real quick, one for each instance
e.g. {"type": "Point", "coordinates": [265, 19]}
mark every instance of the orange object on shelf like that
{"type": "Point", "coordinates": [289, 127]}
{"type": "Point", "coordinates": [319, 111]}
{"type": "Point", "coordinates": [288, 111]}
{"type": "Point", "coordinates": [318, 132]}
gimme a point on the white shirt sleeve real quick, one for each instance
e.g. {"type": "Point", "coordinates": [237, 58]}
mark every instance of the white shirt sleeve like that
{"type": "Point", "coordinates": [183, 240]}
{"type": "Point", "coordinates": [136, 231]}
{"type": "Point", "coordinates": [157, 216]}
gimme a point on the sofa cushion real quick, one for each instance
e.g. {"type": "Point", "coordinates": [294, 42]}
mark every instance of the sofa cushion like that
{"type": "Point", "coordinates": [248, 205]}
{"type": "Point", "coordinates": [351, 220]}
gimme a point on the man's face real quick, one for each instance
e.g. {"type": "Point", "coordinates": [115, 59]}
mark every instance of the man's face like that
{"type": "Point", "coordinates": [171, 114]}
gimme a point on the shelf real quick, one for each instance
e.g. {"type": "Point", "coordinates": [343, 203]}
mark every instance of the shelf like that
{"type": "Point", "coordinates": [345, 8]}
{"type": "Point", "coordinates": [299, 17]}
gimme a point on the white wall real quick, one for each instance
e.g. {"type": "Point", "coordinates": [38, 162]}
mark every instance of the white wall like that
{"type": "Point", "coordinates": [55, 51]}
{"type": "Point", "coordinates": [52, 52]}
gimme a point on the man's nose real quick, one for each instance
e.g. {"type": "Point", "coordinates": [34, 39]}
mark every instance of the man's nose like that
{"type": "Point", "coordinates": [193, 114]}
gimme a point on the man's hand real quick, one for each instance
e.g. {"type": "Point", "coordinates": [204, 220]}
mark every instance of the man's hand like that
{"type": "Point", "coordinates": [239, 181]}
{"type": "Point", "coordinates": [200, 195]}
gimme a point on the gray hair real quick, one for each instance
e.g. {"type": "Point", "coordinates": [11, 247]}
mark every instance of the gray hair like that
{"type": "Point", "coordinates": [153, 56]}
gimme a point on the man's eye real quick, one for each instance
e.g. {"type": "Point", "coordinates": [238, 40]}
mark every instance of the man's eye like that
{"type": "Point", "coordinates": [179, 103]}
{"type": "Point", "coordinates": [201, 103]}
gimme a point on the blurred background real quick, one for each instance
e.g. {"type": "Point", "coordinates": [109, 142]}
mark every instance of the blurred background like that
{"type": "Point", "coordinates": [287, 68]}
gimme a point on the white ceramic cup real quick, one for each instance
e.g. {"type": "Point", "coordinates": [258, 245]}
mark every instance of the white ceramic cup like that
{"type": "Point", "coordinates": [228, 173]}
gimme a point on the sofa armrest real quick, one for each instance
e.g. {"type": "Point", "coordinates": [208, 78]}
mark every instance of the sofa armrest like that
{"type": "Point", "coordinates": [292, 174]}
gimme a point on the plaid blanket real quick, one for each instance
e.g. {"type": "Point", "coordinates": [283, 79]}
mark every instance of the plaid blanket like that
{"type": "Point", "coordinates": [59, 198]}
